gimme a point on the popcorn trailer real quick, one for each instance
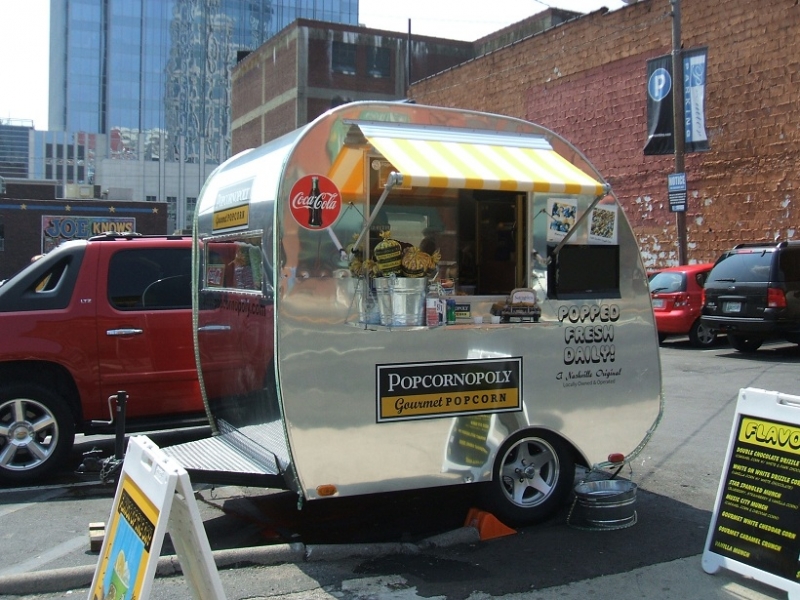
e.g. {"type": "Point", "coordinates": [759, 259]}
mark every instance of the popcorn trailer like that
{"type": "Point", "coordinates": [407, 296]}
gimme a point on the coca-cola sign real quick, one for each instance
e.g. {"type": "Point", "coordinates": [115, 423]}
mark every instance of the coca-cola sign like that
{"type": "Point", "coordinates": [315, 202]}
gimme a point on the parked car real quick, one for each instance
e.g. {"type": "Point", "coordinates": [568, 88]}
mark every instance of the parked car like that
{"type": "Point", "coordinates": [89, 319]}
{"type": "Point", "coordinates": [677, 296]}
{"type": "Point", "coordinates": [753, 294]}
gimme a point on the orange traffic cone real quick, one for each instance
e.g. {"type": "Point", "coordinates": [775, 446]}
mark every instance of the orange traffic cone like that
{"type": "Point", "coordinates": [488, 526]}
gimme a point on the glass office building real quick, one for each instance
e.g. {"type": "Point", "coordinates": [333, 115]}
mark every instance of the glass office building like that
{"type": "Point", "coordinates": [154, 75]}
{"type": "Point", "coordinates": [14, 148]}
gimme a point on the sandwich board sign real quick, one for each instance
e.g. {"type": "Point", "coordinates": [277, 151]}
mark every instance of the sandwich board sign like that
{"type": "Point", "coordinates": [153, 495]}
{"type": "Point", "coordinates": [755, 526]}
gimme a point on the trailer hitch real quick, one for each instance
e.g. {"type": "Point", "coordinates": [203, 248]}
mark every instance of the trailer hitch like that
{"type": "Point", "coordinates": [109, 467]}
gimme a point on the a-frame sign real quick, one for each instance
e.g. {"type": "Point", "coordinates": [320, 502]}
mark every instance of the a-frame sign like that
{"type": "Point", "coordinates": [154, 495]}
{"type": "Point", "coordinates": [755, 527]}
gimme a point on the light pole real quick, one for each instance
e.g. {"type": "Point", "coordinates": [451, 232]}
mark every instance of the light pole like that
{"type": "Point", "coordinates": [678, 119]}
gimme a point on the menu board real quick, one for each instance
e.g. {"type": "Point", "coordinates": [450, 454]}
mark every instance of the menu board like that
{"type": "Point", "coordinates": [755, 528]}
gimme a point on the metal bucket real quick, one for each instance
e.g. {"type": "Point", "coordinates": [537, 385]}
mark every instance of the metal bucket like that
{"type": "Point", "coordinates": [606, 504]}
{"type": "Point", "coordinates": [401, 300]}
{"type": "Point", "coordinates": [366, 303]}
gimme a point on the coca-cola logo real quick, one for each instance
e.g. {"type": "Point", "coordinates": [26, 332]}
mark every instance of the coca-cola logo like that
{"type": "Point", "coordinates": [315, 202]}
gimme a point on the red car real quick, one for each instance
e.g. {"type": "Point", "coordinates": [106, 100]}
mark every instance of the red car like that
{"type": "Point", "coordinates": [677, 296]}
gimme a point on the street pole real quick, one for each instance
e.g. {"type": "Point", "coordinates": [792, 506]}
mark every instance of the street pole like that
{"type": "Point", "coordinates": [678, 120]}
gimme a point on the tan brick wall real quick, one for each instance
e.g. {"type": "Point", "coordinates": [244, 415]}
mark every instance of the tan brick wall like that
{"type": "Point", "coordinates": [586, 80]}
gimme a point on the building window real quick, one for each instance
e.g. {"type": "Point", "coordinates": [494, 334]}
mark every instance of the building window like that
{"type": "Point", "coordinates": [190, 206]}
{"type": "Point", "coordinates": [379, 62]}
{"type": "Point", "coordinates": [151, 198]}
{"type": "Point", "coordinates": [344, 58]}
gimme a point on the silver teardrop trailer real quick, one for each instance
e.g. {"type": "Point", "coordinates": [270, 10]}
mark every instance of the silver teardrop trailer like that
{"type": "Point", "coordinates": [399, 296]}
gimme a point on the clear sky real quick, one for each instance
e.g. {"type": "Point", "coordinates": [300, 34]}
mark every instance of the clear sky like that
{"type": "Point", "coordinates": [25, 36]}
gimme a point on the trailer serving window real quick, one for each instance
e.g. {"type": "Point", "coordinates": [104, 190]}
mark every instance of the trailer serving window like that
{"type": "Point", "coordinates": [488, 204]}
{"type": "Point", "coordinates": [479, 235]}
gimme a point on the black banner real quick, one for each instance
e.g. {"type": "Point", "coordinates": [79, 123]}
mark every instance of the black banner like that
{"type": "Point", "coordinates": [660, 126]}
{"type": "Point", "coordinates": [660, 88]}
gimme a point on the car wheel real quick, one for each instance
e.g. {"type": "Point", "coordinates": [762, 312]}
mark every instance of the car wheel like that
{"type": "Point", "coordinates": [36, 432]}
{"type": "Point", "coordinates": [701, 336]}
{"type": "Point", "coordinates": [533, 473]}
{"type": "Point", "coordinates": [743, 343]}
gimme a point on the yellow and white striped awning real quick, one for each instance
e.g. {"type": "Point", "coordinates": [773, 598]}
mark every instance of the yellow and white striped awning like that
{"type": "Point", "coordinates": [347, 172]}
{"type": "Point", "coordinates": [440, 157]}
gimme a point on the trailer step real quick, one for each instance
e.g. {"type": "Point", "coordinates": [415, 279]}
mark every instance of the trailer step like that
{"type": "Point", "coordinates": [234, 457]}
{"type": "Point", "coordinates": [214, 454]}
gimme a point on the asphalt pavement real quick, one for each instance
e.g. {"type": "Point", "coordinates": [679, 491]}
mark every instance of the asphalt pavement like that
{"type": "Point", "coordinates": [659, 556]}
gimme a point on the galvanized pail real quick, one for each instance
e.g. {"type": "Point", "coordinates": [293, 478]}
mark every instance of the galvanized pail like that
{"type": "Point", "coordinates": [606, 504]}
{"type": "Point", "coordinates": [366, 303]}
{"type": "Point", "coordinates": [401, 300]}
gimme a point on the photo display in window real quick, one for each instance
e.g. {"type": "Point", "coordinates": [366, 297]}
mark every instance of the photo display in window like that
{"type": "Point", "coordinates": [603, 224]}
{"type": "Point", "coordinates": [562, 212]}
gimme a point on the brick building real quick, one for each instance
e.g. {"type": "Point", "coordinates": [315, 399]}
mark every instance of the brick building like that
{"type": "Point", "coordinates": [311, 66]}
{"type": "Point", "coordinates": [586, 80]}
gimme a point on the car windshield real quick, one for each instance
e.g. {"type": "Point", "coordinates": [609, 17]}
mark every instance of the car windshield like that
{"type": "Point", "coordinates": [668, 282]}
{"type": "Point", "coordinates": [743, 267]}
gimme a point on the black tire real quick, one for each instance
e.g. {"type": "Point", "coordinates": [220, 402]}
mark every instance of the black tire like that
{"type": "Point", "coordinates": [37, 432]}
{"type": "Point", "coordinates": [701, 335]}
{"type": "Point", "coordinates": [661, 337]}
{"type": "Point", "coordinates": [533, 473]}
{"type": "Point", "coordinates": [743, 343]}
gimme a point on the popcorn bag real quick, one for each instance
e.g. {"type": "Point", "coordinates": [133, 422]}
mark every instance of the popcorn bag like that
{"type": "Point", "coordinates": [388, 255]}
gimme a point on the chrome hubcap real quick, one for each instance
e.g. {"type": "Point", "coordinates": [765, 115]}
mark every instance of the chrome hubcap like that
{"type": "Point", "coordinates": [28, 434]}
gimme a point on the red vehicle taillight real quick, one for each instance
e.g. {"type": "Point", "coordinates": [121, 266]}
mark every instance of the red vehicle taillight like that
{"type": "Point", "coordinates": [702, 297]}
{"type": "Point", "coordinates": [776, 298]}
{"type": "Point", "coordinates": [681, 300]}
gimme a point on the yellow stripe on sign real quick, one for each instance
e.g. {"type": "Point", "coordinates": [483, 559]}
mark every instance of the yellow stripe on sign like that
{"type": "Point", "coordinates": [437, 404]}
{"type": "Point", "coordinates": [775, 436]}
{"type": "Point", "coordinates": [238, 216]}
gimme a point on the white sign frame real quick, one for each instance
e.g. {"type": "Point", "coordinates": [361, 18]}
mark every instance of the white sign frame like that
{"type": "Point", "coordinates": [153, 495]}
{"type": "Point", "coordinates": [754, 404]}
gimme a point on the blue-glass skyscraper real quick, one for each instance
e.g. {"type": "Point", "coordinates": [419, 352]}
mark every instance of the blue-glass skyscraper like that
{"type": "Point", "coordinates": [154, 75]}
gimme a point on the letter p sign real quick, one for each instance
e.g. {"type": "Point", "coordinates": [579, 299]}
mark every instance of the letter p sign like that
{"type": "Point", "coordinates": [659, 85]}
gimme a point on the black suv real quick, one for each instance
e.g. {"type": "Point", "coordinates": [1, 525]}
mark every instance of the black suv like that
{"type": "Point", "coordinates": [753, 294]}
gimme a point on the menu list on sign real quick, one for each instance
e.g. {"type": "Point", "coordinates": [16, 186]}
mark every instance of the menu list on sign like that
{"type": "Point", "coordinates": [758, 519]}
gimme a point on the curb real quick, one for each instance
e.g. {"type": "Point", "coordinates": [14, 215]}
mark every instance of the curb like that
{"type": "Point", "coordinates": [70, 578]}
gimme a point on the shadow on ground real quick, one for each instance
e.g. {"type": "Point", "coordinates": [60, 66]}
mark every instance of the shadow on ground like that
{"type": "Point", "coordinates": [549, 554]}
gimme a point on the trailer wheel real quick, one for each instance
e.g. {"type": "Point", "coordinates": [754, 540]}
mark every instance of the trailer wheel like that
{"type": "Point", "coordinates": [533, 473]}
{"type": "Point", "coordinates": [36, 432]}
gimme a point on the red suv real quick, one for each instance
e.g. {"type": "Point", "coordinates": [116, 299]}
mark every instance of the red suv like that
{"type": "Point", "coordinates": [88, 319]}
{"type": "Point", "coordinates": [677, 296]}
